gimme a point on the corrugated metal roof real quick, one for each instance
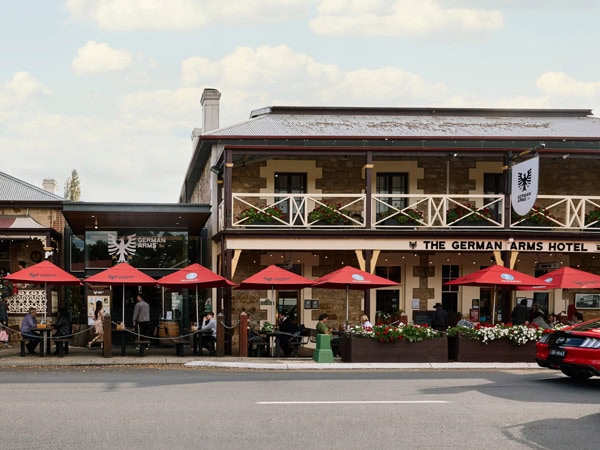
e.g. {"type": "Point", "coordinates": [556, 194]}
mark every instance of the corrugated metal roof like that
{"type": "Point", "coordinates": [13, 189]}
{"type": "Point", "coordinates": [415, 122]}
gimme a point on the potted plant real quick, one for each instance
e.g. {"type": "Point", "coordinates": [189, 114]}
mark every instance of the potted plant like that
{"type": "Point", "coordinates": [593, 217]}
{"type": "Point", "coordinates": [327, 214]}
{"type": "Point", "coordinates": [538, 216]}
{"type": "Point", "coordinates": [408, 216]}
{"type": "Point", "coordinates": [494, 343]}
{"type": "Point", "coordinates": [257, 216]}
{"type": "Point", "coordinates": [388, 343]}
{"type": "Point", "coordinates": [467, 214]}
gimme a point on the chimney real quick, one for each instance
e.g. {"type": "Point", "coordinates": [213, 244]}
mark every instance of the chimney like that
{"type": "Point", "coordinates": [50, 185]}
{"type": "Point", "coordinates": [210, 109]}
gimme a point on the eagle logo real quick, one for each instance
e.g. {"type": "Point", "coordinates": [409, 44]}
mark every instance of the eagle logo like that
{"type": "Point", "coordinates": [122, 248]}
{"type": "Point", "coordinates": [524, 180]}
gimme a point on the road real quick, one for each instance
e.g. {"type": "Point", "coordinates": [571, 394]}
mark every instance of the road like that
{"type": "Point", "coordinates": [167, 408]}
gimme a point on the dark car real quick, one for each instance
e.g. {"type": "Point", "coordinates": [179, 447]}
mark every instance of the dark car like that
{"type": "Point", "coordinates": [574, 350]}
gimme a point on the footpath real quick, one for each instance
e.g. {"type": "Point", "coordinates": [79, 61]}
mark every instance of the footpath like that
{"type": "Point", "coordinates": [82, 356]}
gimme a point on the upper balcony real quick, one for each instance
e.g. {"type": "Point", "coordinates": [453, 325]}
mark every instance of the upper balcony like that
{"type": "Point", "coordinates": [407, 211]}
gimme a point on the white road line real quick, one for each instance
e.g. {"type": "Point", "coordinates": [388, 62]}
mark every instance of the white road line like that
{"type": "Point", "coordinates": [353, 402]}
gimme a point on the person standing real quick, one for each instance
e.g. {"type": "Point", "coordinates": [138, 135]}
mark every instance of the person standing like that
{"type": "Point", "coordinates": [27, 325]}
{"type": "Point", "coordinates": [439, 321]}
{"type": "Point", "coordinates": [520, 314]}
{"type": "Point", "coordinates": [141, 317]}
{"type": "Point", "coordinates": [4, 318]}
{"type": "Point", "coordinates": [63, 326]}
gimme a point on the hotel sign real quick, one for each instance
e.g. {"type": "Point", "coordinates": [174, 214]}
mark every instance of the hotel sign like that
{"type": "Point", "coordinates": [487, 245]}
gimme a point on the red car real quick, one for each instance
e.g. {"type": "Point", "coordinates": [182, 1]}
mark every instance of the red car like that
{"type": "Point", "coordinates": [574, 350]}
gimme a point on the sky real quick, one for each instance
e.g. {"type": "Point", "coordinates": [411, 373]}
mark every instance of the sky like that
{"type": "Point", "coordinates": [111, 88]}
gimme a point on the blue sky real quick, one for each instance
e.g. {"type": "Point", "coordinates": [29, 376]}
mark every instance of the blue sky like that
{"type": "Point", "coordinates": [111, 88]}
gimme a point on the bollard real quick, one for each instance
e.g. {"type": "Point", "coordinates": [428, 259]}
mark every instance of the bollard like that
{"type": "Point", "coordinates": [107, 341]}
{"type": "Point", "coordinates": [220, 335]}
{"type": "Point", "coordinates": [323, 353]}
{"type": "Point", "coordinates": [243, 335]}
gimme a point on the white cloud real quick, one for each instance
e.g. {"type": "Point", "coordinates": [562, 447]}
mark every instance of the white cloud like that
{"type": "Point", "coordinates": [399, 18]}
{"type": "Point", "coordinates": [253, 78]}
{"type": "Point", "coordinates": [19, 91]}
{"type": "Point", "coordinates": [559, 83]}
{"type": "Point", "coordinates": [129, 15]}
{"type": "Point", "coordinates": [96, 57]}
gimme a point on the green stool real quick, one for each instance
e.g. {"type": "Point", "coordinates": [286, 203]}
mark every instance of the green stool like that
{"type": "Point", "coordinates": [323, 353]}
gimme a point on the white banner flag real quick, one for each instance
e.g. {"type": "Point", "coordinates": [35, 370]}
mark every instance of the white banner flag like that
{"type": "Point", "coordinates": [525, 177]}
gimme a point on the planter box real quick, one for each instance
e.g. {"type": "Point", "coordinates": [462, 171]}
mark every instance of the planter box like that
{"type": "Point", "coordinates": [501, 350]}
{"type": "Point", "coordinates": [356, 349]}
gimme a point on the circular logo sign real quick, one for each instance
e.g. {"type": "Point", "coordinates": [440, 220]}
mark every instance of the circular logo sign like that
{"type": "Point", "coordinates": [507, 277]}
{"type": "Point", "coordinates": [191, 276]}
{"type": "Point", "coordinates": [549, 280]}
{"type": "Point", "coordinates": [358, 277]}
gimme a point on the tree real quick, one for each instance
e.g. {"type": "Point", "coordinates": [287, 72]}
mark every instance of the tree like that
{"type": "Point", "coordinates": [73, 187]}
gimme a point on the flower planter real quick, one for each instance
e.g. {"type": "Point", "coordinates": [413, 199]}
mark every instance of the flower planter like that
{"type": "Point", "coordinates": [359, 349]}
{"type": "Point", "coordinates": [499, 350]}
{"type": "Point", "coordinates": [472, 223]}
{"type": "Point", "coordinates": [392, 221]}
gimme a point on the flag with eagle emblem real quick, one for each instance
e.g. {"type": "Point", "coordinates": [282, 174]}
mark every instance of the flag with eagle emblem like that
{"type": "Point", "coordinates": [525, 176]}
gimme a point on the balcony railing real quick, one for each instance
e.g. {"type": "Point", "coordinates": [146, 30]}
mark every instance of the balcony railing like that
{"type": "Point", "coordinates": [414, 211]}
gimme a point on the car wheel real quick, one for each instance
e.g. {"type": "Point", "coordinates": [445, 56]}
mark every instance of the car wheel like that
{"type": "Point", "coordinates": [578, 375]}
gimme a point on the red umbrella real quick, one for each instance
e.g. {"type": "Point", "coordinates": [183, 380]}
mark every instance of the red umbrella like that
{"type": "Point", "coordinates": [275, 277]}
{"type": "Point", "coordinates": [569, 278]}
{"type": "Point", "coordinates": [44, 272]}
{"type": "Point", "coordinates": [195, 275]}
{"type": "Point", "coordinates": [497, 276]}
{"type": "Point", "coordinates": [351, 278]}
{"type": "Point", "coordinates": [122, 273]}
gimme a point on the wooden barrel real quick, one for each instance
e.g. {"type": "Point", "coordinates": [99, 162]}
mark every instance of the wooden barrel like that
{"type": "Point", "coordinates": [168, 328]}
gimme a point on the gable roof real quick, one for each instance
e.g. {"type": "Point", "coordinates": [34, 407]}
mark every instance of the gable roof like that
{"type": "Point", "coordinates": [14, 190]}
{"type": "Point", "coordinates": [407, 123]}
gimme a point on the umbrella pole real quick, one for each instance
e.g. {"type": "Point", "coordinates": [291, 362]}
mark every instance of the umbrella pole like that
{"type": "Point", "coordinates": [347, 303]}
{"type": "Point", "coordinates": [197, 316]}
{"type": "Point", "coordinates": [162, 312]}
{"type": "Point", "coordinates": [274, 305]}
{"type": "Point", "coordinates": [123, 306]}
{"type": "Point", "coordinates": [494, 305]}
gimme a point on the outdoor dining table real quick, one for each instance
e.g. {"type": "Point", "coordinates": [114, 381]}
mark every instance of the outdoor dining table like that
{"type": "Point", "coordinates": [45, 335]}
{"type": "Point", "coordinates": [122, 333]}
{"type": "Point", "coordinates": [271, 337]}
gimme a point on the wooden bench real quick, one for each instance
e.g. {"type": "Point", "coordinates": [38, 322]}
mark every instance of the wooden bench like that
{"type": "Point", "coordinates": [179, 345]}
{"type": "Point", "coordinates": [142, 344]}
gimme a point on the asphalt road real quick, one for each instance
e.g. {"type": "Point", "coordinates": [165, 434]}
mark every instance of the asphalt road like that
{"type": "Point", "coordinates": [168, 408]}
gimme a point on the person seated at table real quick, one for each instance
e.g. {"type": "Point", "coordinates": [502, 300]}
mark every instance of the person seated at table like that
{"type": "Point", "coordinates": [287, 328]}
{"type": "Point", "coordinates": [322, 328]}
{"type": "Point", "coordinates": [27, 325]}
{"type": "Point", "coordinates": [540, 320]}
{"type": "Point", "coordinates": [256, 342]}
{"type": "Point", "coordinates": [209, 323]}
{"type": "Point", "coordinates": [366, 323]}
{"type": "Point", "coordinates": [63, 326]}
